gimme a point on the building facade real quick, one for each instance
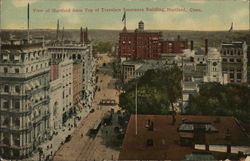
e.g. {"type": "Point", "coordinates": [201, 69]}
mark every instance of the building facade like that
{"type": "Point", "coordinates": [78, 52]}
{"type": "Point", "coordinates": [234, 61]}
{"type": "Point", "coordinates": [55, 104]}
{"type": "Point", "coordinates": [24, 99]}
{"type": "Point", "coordinates": [142, 44]}
{"type": "Point", "coordinates": [66, 76]}
{"type": "Point", "coordinates": [77, 85]}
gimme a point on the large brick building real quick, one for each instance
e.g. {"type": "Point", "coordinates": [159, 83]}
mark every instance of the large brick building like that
{"type": "Point", "coordinates": [147, 45]}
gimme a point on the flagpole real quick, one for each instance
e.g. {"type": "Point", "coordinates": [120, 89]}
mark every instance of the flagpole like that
{"type": "Point", "coordinates": [28, 23]}
{"type": "Point", "coordinates": [249, 15]}
{"type": "Point", "coordinates": [136, 108]}
{"type": "Point", "coordinates": [125, 21]}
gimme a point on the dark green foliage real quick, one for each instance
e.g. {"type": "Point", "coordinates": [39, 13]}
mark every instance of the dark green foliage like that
{"type": "Point", "coordinates": [156, 91]}
{"type": "Point", "coordinates": [223, 100]}
{"type": "Point", "coordinates": [102, 47]}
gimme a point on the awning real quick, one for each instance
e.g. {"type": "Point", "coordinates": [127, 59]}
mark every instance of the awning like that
{"type": "Point", "coordinates": [5, 57]}
{"type": "Point", "coordinates": [16, 57]}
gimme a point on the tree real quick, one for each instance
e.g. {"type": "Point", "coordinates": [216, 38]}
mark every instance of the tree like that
{"type": "Point", "coordinates": [157, 90]}
{"type": "Point", "coordinates": [102, 47]}
{"type": "Point", "coordinates": [224, 100]}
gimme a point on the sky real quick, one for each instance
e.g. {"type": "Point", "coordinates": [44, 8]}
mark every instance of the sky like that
{"type": "Point", "coordinates": [209, 14]}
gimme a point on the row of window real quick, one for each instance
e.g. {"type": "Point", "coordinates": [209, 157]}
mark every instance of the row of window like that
{"type": "Point", "coordinates": [16, 105]}
{"type": "Point", "coordinates": [231, 52]}
{"type": "Point", "coordinates": [231, 60]}
{"type": "Point", "coordinates": [33, 68]}
{"type": "Point", "coordinates": [6, 122]}
{"type": "Point", "coordinates": [6, 70]}
{"type": "Point", "coordinates": [6, 89]}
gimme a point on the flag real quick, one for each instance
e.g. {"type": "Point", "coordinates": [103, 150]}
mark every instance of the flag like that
{"type": "Point", "coordinates": [124, 16]}
{"type": "Point", "coordinates": [231, 28]}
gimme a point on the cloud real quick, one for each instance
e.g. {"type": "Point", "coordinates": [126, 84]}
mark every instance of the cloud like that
{"type": "Point", "coordinates": [23, 3]}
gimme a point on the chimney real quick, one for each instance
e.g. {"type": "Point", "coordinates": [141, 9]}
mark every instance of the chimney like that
{"type": "Point", "coordinates": [228, 148]}
{"type": "Point", "coordinates": [151, 127]}
{"type": "Point", "coordinates": [206, 46]}
{"type": "Point", "coordinates": [199, 133]}
{"type": "Point", "coordinates": [81, 35]}
{"type": "Point", "coordinates": [192, 45]}
{"type": "Point", "coordinates": [178, 37]}
{"type": "Point", "coordinates": [86, 36]}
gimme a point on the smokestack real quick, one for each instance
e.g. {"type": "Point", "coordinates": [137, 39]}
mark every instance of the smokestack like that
{"type": "Point", "coordinates": [206, 46]}
{"type": "Point", "coordinates": [191, 45]}
{"type": "Point", "coordinates": [81, 35]}
{"type": "Point", "coordinates": [178, 37]}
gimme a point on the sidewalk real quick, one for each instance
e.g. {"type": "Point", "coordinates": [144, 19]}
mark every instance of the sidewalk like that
{"type": "Point", "coordinates": [51, 146]}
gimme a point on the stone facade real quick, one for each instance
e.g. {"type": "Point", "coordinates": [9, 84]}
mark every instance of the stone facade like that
{"type": "Point", "coordinates": [234, 61]}
{"type": "Point", "coordinates": [24, 99]}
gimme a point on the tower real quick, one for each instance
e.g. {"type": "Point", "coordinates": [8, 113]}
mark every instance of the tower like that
{"type": "Point", "coordinates": [214, 69]}
{"type": "Point", "coordinates": [141, 26]}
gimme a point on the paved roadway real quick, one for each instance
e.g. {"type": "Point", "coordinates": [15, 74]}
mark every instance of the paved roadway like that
{"type": "Point", "coordinates": [84, 147]}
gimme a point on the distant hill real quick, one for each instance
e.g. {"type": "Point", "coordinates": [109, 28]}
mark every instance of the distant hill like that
{"type": "Point", "coordinates": [214, 37]}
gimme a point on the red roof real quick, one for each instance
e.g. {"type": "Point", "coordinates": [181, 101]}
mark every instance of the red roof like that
{"type": "Point", "coordinates": [166, 139]}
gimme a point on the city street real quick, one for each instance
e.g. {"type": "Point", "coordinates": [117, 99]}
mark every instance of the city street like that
{"type": "Point", "coordinates": [81, 146]}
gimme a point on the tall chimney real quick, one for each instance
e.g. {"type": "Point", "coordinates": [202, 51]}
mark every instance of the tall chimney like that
{"type": "Point", "coordinates": [178, 37]}
{"type": "Point", "coordinates": [206, 46]}
{"type": "Point", "coordinates": [81, 35]}
{"type": "Point", "coordinates": [191, 45]}
{"type": "Point", "coordinates": [86, 36]}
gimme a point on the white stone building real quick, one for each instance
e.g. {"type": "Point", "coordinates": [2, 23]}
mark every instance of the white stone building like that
{"type": "Point", "coordinates": [24, 98]}
{"type": "Point", "coordinates": [55, 104]}
{"type": "Point", "coordinates": [66, 77]}
{"type": "Point", "coordinates": [214, 70]}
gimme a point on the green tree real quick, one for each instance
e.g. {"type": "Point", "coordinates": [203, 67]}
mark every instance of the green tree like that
{"type": "Point", "coordinates": [102, 47]}
{"type": "Point", "coordinates": [156, 91]}
{"type": "Point", "coordinates": [223, 100]}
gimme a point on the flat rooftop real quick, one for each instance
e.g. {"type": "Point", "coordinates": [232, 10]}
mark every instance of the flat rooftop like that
{"type": "Point", "coordinates": [166, 138]}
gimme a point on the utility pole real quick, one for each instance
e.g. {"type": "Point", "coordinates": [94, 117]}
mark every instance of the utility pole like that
{"type": "Point", "coordinates": [136, 108]}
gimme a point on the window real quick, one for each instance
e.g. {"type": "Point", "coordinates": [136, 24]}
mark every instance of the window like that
{"type": "Point", "coordinates": [224, 60]}
{"type": "Point", "coordinates": [231, 60]}
{"type": "Point", "coordinates": [17, 105]}
{"type": "Point", "coordinates": [239, 76]}
{"type": "Point", "coordinates": [6, 88]}
{"type": "Point", "coordinates": [5, 70]}
{"type": "Point", "coordinates": [238, 60]}
{"type": "Point", "coordinates": [17, 122]}
{"type": "Point", "coordinates": [231, 75]}
{"type": "Point", "coordinates": [27, 70]}
{"type": "Point", "coordinates": [17, 70]}
{"type": "Point", "coordinates": [6, 105]}
{"type": "Point", "coordinates": [17, 89]}
{"type": "Point", "coordinates": [31, 68]}
{"type": "Point", "coordinates": [6, 122]}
